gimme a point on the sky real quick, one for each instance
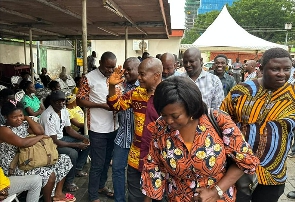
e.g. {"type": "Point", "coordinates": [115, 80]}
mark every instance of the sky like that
{"type": "Point", "coordinates": [177, 14]}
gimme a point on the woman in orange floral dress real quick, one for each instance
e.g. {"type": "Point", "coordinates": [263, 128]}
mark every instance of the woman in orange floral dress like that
{"type": "Point", "coordinates": [187, 158]}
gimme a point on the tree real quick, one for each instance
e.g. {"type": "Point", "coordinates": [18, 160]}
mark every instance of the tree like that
{"type": "Point", "coordinates": [263, 18]}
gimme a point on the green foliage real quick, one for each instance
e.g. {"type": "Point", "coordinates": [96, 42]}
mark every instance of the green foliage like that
{"type": "Point", "coordinates": [263, 18]}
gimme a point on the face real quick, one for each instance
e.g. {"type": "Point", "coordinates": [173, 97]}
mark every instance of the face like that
{"type": "Point", "coordinates": [175, 115]}
{"type": "Point", "coordinates": [131, 71]}
{"type": "Point", "coordinates": [58, 105]}
{"type": "Point", "coordinates": [107, 66]}
{"type": "Point", "coordinates": [15, 119]}
{"type": "Point", "coordinates": [276, 73]}
{"type": "Point", "coordinates": [220, 65]}
{"type": "Point", "coordinates": [192, 64]}
{"type": "Point", "coordinates": [26, 76]}
{"type": "Point", "coordinates": [44, 71]}
{"type": "Point", "coordinates": [31, 88]}
{"type": "Point", "coordinates": [57, 87]}
{"type": "Point", "coordinates": [169, 67]}
{"type": "Point", "coordinates": [147, 79]}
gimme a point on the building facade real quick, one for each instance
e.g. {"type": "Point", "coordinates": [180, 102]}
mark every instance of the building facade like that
{"type": "Point", "coordinates": [211, 5]}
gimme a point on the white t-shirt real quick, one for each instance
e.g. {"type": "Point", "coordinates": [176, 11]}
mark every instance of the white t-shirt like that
{"type": "Point", "coordinates": [52, 123]}
{"type": "Point", "coordinates": [101, 120]}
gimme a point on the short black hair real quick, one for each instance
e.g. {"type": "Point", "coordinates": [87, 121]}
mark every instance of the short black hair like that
{"type": "Point", "coordinates": [24, 85]}
{"type": "Point", "coordinates": [274, 53]}
{"type": "Point", "coordinates": [221, 56]}
{"type": "Point", "coordinates": [52, 85]}
{"type": "Point", "coordinates": [4, 93]}
{"type": "Point", "coordinates": [107, 55]}
{"type": "Point", "coordinates": [178, 89]}
{"type": "Point", "coordinates": [10, 106]}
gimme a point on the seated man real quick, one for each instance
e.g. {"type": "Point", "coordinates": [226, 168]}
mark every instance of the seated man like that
{"type": "Point", "coordinates": [45, 79]}
{"type": "Point", "coordinates": [56, 118]}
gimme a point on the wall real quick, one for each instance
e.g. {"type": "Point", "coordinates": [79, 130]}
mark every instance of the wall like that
{"type": "Point", "coordinates": [155, 46]}
{"type": "Point", "coordinates": [51, 57]}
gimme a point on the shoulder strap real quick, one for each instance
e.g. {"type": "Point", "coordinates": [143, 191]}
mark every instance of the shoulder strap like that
{"type": "Point", "coordinates": [214, 123]}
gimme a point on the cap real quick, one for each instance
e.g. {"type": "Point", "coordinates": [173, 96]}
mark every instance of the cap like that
{"type": "Point", "coordinates": [57, 95]}
{"type": "Point", "coordinates": [70, 98]}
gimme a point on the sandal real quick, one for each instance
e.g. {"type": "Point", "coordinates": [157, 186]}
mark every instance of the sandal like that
{"type": "Point", "coordinates": [68, 198]}
{"type": "Point", "coordinates": [71, 187]}
{"type": "Point", "coordinates": [81, 173]}
{"type": "Point", "coordinates": [107, 192]}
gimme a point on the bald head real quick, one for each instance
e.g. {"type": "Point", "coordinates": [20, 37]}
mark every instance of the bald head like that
{"type": "Point", "coordinates": [152, 64]}
{"type": "Point", "coordinates": [193, 62]}
{"type": "Point", "coordinates": [150, 73]}
{"type": "Point", "coordinates": [193, 51]}
{"type": "Point", "coordinates": [169, 65]}
{"type": "Point", "coordinates": [250, 66]}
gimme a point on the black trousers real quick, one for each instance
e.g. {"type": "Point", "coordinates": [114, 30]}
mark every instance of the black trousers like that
{"type": "Point", "coordinates": [262, 193]}
{"type": "Point", "coordinates": [133, 182]}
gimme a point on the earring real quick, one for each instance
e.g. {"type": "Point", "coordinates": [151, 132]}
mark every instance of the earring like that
{"type": "Point", "coordinates": [192, 118]}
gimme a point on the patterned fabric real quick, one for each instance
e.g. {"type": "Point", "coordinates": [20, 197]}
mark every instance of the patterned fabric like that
{"type": "Point", "coordinates": [8, 151]}
{"type": "Point", "coordinates": [267, 120]}
{"type": "Point", "coordinates": [30, 101]}
{"type": "Point", "coordinates": [144, 117]}
{"type": "Point", "coordinates": [171, 168]}
{"type": "Point", "coordinates": [251, 76]}
{"type": "Point", "coordinates": [126, 122]}
{"type": "Point", "coordinates": [211, 89]}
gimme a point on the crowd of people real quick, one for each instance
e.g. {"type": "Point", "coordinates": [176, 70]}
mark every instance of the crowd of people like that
{"type": "Point", "coordinates": [152, 121]}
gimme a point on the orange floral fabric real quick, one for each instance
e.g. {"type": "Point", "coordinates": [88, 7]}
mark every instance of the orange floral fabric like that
{"type": "Point", "coordinates": [170, 167]}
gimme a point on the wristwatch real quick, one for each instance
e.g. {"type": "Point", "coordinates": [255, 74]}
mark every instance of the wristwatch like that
{"type": "Point", "coordinates": [219, 191]}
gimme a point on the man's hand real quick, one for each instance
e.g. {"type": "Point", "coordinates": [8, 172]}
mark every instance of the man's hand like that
{"type": "Point", "coordinates": [82, 145]}
{"type": "Point", "coordinates": [117, 76]}
{"type": "Point", "coordinates": [205, 195]}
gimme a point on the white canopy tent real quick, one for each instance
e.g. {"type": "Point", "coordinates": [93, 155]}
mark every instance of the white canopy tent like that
{"type": "Point", "coordinates": [225, 34]}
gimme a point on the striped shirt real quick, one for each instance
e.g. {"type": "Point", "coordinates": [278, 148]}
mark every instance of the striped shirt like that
{"type": "Point", "coordinates": [126, 122]}
{"type": "Point", "coordinates": [211, 89]}
{"type": "Point", "coordinates": [267, 120]}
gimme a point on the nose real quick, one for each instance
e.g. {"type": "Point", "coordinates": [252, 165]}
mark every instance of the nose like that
{"type": "Point", "coordinates": [169, 121]}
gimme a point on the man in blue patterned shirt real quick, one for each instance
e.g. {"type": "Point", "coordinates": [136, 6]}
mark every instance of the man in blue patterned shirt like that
{"type": "Point", "coordinates": [125, 132]}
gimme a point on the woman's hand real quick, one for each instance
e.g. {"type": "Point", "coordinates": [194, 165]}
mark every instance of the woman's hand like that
{"type": "Point", "coordinates": [205, 195]}
{"type": "Point", "coordinates": [117, 76]}
{"type": "Point", "coordinates": [4, 193]}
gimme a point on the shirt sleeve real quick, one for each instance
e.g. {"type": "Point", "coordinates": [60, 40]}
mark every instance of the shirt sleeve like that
{"type": "Point", "coordinates": [152, 177]}
{"type": "Point", "coordinates": [118, 103]}
{"type": "Point", "coordinates": [84, 90]}
{"type": "Point", "coordinates": [218, 92]}
{"type": "Point", "coordinates": [235, 145]}
{"type": "Point", "coordinates": [25, 102]}
{"type": "Point", "coordinates": [67, 121]}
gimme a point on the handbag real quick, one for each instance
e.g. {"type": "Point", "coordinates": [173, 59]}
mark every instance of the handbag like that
{"type": "Point", "coordinates": [43, 153]}
{"type": "Point", "coordinates": [247, 182]}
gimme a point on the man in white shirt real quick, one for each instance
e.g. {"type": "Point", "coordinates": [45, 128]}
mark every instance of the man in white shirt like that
{"type": "Point", "coordinates": [56, 118]}
{"type": "Point", "coordinates": [102, 125]}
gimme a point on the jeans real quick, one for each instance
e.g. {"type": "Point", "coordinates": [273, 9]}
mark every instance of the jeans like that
{"type": "Point", "coordinates": [78, 157]}
{"type": "Point", "coordinates": [101, 153]}
{"type": "Point", "coordinates": [120, 157]}
{"type": "Point", "coordinates": [134, 191]}
{"type": "Point", "coordinates": [262, 193]}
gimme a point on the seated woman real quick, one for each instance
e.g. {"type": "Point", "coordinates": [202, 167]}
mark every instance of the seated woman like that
{"type": "Point", "coordinates": [187, 157]}
{"type": "Point", "coordinates": [17, 184]}
{"type": "Point", "coordinates": [14, 134]}
{"type": "Point", "coordinates": [32, 104]}
{"type": "Point", "coordinates": [76, 114]}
